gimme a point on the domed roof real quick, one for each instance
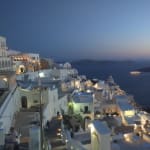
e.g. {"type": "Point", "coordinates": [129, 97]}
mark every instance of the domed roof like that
{"type": "Point", "coordinates": [67, 65]}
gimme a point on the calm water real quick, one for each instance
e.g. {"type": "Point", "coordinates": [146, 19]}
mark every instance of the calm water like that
{"type": "Point", "coordinates": [139, 86]}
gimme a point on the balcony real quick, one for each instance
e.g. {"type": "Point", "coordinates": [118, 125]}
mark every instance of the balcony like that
{"type": "Point", "coordinates": [86, 112]}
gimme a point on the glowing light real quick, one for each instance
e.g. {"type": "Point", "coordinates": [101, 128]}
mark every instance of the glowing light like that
{"type": "Point", "coordinates": [129, 113]}
{"type": "Point", "coordinates": [90, 126]}
{"type": "Point", "coordinates": [66, 140]}
{"type": "Point", "coordinates": [58, 134]}
{"type": "Point", "coordinates": [88, 91]}
{"type": "Point", "coordinates": [59, 129]}
{"type": "Point", "coordinates": [41, 74]}
{"type": "Point", "coordinates": [5, 79]}
{"type": "Point", "coordinates": [127, 137]}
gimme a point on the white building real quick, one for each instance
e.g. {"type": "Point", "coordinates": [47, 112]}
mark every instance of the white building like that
{"type": "Point", "coordinates": [83, 104]}
{"type": "Point", "coordinates": [100, 136]}
{"type": "Point", "coordinates": [5, 61]}
{"type": "Point", "coordinates": [54, 104]}
{"type": "Point", "coordinates": [34, 57]}
{"type": "Point", "coordinates": [126, 110]}
{"type": "Point", "coordinates": [23, 62]}
{"type": "Point", "coordinates": [51, 74]}
{"type": "Point", "coordinates": [48, 95]}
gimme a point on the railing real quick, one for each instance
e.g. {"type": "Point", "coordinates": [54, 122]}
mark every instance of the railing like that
{"type": "Point", "coordinates": [3, 97]}
{"type": "Point", "coordinates": [6, 100]}
{"type": "Point", "coordinates": [4, 71]}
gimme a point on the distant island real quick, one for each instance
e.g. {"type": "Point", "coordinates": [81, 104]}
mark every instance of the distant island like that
{"type": "Point", "coordinates": [145, 69]}
{"type": "Point", "coordinates": [86, 61]}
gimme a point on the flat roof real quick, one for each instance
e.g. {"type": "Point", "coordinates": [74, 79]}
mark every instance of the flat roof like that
{"type": "Point", "coordinates": [121, 97]}
{"type": "Point", "coordinates": [34, 84]}
{"type": "Point", "coordinates": [101, 127]}
{"type": "Point", "coordinates": [82, 97]}
{"type": "Point", "coordinates": [136, 144]}
{"type": "Point", "coordinates": [124, 129]}
{"type": "Point", "coordinates": [122, 101]}
{"type": "Point", "coordinates": [83, 137]}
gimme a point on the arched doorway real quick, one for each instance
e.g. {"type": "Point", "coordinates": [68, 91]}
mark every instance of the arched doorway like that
{"type": "Point", "coordinates": [24, 102]}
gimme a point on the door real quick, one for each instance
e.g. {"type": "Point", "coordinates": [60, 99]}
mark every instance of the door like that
{"type": "Point", "coordinates": [24, 102]}
{"type": "Point", "coordinates": [86, 109]}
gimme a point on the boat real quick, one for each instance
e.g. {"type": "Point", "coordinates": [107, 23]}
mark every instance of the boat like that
{"type": "Point", "coordinates": [135, 73]}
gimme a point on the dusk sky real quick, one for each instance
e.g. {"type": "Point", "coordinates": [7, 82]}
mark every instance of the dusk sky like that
{"type": "Point", "coordinates": [76, 29]}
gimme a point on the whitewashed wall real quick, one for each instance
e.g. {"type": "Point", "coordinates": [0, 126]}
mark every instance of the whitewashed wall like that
{"type": "Point", "coordinates": [54, 105]}
{"type": "Point", "coordinates": [63, 101]}
{"type": "Point", "coordinates": [8, 109]}
{"type": "Point", "coordinates": [100, 139]}
{"type": "Point", "coordinates": [49, 110]}
{"type": "Point", "coordinates": [33, 96]}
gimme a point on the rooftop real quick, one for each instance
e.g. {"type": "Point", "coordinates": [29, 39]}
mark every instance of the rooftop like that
{"type": "Point", "coordinates": [83, 137]}
{"type": "Point", "coordinates": [122, 101]}
{"type": "Point", "coordinates": [83, 97]}
{"type": "Point", "coordinates": [135, 144]}
{"type": "Point", "coordinates": [35, 84]}
{"type": "Point", "coordinates": [101, 127]}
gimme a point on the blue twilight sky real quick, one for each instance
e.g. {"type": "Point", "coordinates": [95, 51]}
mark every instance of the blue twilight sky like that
{"type": "Point", "coordinates": [75, 29]}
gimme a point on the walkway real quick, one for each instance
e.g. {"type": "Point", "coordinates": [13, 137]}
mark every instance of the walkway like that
{"type": "Point", "coordinates": [51, 134]}
{"type": "Point", "coordinates": [25, 119]}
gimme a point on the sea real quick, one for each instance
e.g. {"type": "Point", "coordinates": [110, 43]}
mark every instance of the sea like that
{"type": "Point", "coordinates": [138, 86]}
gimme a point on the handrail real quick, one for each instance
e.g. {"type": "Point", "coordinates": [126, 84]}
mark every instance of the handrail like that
{"type": "Point", "coordinates": [3, 97]}
{"type": "Point", "coordinates": [6, 102]}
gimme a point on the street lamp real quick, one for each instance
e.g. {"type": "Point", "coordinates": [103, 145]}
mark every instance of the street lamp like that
{"type": "Point", "coordinates": [40, 111]}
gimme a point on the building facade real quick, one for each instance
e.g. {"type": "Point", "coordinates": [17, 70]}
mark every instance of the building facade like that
{"type": "Point", "coordinates": [5, 60]}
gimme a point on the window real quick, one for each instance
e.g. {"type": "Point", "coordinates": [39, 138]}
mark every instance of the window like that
{"type": "Point", "coordinates": [85, 109]}
{"type": "Point", "coordinates": [35, 101]}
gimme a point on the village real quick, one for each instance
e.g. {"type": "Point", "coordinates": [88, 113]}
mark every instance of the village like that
{"type": "Point", "coordinates": [43, 98]}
